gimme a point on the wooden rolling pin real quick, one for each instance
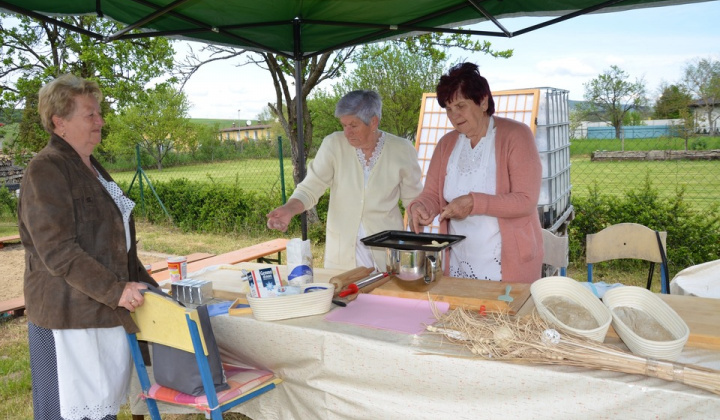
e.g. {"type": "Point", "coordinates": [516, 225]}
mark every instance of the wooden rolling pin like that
{"type": "Point", "coordinates": [342, 280]}
{"type": "Point", "coordinates": [365, 285]}
{"type": "Point", "coordinates": [369, 288]}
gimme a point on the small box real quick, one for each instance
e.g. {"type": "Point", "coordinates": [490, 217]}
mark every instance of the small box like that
{"type": "Point", "coordinates": [265, 282]}
{"type": "Point", "coordinates": [200, 292]}
{"type": "Point", "coordinates": [192, 291]}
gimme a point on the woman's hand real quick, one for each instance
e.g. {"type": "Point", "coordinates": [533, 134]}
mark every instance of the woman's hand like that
{"type": "Point", "coordinates": [131, 297]}
{"type": "Point", "coordinates": [279, 219]}
{"type": "Point", "coordinates": [459, 208]}
{"type": "Point", "coordinates": [420, 217]}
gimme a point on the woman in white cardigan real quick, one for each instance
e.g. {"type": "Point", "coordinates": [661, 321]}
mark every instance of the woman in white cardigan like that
{"type": "Point", "coordinates": [368, 171]}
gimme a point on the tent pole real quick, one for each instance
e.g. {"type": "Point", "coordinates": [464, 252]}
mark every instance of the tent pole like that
{"type": "Point", "coordinates": [299, 114]}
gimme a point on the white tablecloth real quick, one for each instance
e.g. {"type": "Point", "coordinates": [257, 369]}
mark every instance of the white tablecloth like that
{"type": "Point", "coordinates": [340, 371]}
{"type": "Point", "coordinates": [699, 280]}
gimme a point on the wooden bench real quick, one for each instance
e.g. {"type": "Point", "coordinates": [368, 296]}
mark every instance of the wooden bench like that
{"type": "Point", "coordinates": [162, 265]}
{"type": "Point", "coordinates": [259, 252]}
{"type": "Point", "coordinates": [8, 239]}
{"type": "Point", "coordinates": [16, 306]}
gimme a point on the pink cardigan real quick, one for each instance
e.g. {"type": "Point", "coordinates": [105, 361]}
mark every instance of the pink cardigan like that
{"type": "Point", "coordinates": [519, 174]}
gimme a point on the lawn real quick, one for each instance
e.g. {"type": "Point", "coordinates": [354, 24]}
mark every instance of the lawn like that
{"type": "Point", "coordinates": [701, 179]}
{"type": "Point", "coordinates": [250, 174]}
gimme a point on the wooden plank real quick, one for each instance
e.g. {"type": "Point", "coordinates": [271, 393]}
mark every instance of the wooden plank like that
{"type": "Point", "coordinates": [162, 265]}
{"type": "Point", "coordinates": [8, 239]}
{"type": "Point", "coordinates": [241, 255]}
{"type": "Point", "coordinates": [700, 314]}
{"type": "Point", "coordinates": [15, 305]}
{"type": "Point", "coordinates": [466, 293]}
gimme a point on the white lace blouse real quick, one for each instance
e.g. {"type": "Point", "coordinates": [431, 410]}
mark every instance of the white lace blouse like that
{"type": "Point", "coordinates": [474, 170]}
{"type": "Point", "coordinates": [124, 204]}
{"type": "Point", "coordinates": [363, 256]}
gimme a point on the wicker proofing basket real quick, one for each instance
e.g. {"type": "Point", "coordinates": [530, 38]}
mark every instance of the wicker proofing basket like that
{"type": "Point", "coordinates": [293, 306]}
{"type": "Point", "coordinates": [647, 301]}
{"type": "Point", "coordinates": [570, 289]}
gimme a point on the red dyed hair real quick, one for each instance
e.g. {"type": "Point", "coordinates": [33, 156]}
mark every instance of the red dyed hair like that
{"type": "Point", "coordinates": [465, 79]}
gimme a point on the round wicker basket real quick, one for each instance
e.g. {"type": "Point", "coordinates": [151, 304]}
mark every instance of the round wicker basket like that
{"type": "Point", "coordinates": [646, 301]}
{"type": "Point", "coordinates": [570, 289]}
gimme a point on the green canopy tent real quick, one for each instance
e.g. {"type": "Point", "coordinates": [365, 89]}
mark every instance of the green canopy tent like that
{"type": "Point", "coordinates": [301, 29]}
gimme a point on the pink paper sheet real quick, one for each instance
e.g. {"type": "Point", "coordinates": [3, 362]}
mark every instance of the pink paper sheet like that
{"type": "Point", "coordinates": [409, 316]}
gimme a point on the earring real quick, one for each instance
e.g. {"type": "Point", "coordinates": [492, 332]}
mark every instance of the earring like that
{"type": "Point", "coordinates": [63, 134]}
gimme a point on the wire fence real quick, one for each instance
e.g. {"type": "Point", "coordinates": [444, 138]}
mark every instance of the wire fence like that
{"type": "Point", "coordinates": [615, 166]}
{"type": "Point", "coordinates": [670, 163]}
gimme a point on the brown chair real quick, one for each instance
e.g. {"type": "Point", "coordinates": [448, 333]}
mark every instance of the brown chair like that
{"type": "Point", "coordinates": [629, 241]}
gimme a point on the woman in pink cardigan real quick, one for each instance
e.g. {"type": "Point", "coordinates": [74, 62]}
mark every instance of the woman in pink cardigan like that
{"type": "Point", "coordinates": [483, 182]}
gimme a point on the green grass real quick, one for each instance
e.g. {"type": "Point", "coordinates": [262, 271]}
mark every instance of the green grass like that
{"type": "Point", "coordinates": [701, 179]}
{"type": "Point", "coordinates": [8, 225]}
{"type": "Point", "coordinates": [587, 146]}
{"type": "Point", "coordinates": [250, 174]}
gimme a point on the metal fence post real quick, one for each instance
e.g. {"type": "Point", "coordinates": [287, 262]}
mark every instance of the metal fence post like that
{"type": "Point", "coordinates": [139, 175]}
{"type": "Point", "coordinates": [282, 169]}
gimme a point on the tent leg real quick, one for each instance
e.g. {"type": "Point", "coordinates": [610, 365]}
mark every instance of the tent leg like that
{"type": "Point", "coordinates": [299, 114]}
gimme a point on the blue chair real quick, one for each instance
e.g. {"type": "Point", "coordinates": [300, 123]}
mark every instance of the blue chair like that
{"type": "Point", "coordinates": [629, 241]}
{"type": "Point", "coordinates": [162, 320]}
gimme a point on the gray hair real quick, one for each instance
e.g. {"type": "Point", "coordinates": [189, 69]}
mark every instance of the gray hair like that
{"type": "Point", "coordinates": [58, 97]}
{"type": "Point", "coordinates": [363, 104]}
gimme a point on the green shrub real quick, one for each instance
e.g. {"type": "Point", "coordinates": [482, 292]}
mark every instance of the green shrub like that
{"type": "Point", "coordinates": [208, 207]}
{"type": "Point", "coordinates": [8, 202]}
{"type": "Point", "coordinates": [699, 144]}
{"type": "Point", "coordinates": [692, 237]}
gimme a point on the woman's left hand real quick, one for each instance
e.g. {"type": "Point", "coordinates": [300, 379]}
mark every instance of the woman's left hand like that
{"type": "Point", "coordinates": [459, 208]}
{"type": "Point", "coordinates": [131, 297]}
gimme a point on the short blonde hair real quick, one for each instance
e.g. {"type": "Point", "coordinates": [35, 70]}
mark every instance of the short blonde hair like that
{"type": "Point", "coordinates": [58, 97]}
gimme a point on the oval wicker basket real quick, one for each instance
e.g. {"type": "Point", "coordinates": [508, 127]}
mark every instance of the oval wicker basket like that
{"type": "Point", "coordinates": [293, 306]}
{"type": "Point", "coordinates": [646, 301]}
{"type": "Point", "coordinates": [570, 289]}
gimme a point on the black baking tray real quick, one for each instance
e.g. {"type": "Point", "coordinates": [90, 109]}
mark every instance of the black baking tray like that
{"type": "Point", "coordinates": [398, 239]}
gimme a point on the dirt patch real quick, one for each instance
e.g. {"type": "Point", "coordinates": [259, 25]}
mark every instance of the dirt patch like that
{"type": "Point", "coordinates": [12, 269]}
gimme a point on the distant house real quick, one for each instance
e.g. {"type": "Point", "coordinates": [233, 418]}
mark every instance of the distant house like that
{"type": "Point", "coordinates": [245, 133]}
{"type": "Point", "coordinates": [706, 122]}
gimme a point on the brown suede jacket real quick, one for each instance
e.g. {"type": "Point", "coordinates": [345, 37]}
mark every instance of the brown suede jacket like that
{"type": "Point", "coordinates": [76, 260]}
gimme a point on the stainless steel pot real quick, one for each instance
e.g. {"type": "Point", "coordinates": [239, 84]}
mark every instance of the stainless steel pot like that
{"type": "Point", "coordinates": [412, 265]}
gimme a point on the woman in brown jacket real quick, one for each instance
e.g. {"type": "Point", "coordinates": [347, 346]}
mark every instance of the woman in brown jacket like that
{"type": "Point", "coordinates": [82, 273]}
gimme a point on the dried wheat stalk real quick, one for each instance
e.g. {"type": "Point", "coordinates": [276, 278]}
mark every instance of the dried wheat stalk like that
{"type": "Point", "coordinates": [532, 340]}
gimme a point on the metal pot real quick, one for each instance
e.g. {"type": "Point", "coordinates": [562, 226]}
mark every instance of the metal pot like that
{"type": "Point", "coordinates": [412, 265]}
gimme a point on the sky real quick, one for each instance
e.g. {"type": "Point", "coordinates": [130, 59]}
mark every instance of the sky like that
{"type": "Point", "coordinates": [653, 44]}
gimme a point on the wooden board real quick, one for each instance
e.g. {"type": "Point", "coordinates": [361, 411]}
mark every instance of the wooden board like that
{"type": "Point", "coordinates": [700, 314]}
{"type": "Point", "coordinates": [162, 265]}
{"type": "Point", "coordinates": [244, 254]}
{"type": "Point", "coordinates": [467, 293]}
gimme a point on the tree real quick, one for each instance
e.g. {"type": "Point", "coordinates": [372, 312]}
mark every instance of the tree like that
{"type": "Point", "coordinates": [267, 116]}
{"type": "Point", "coordinates": [702, 79]}
{"type": "Point", "coordinates": [674, 102]}
{"type": "Point", "coordinates": [322, 110]}
{"type": "Point", "coordinates": [314, 71]}
{"type": "Point", "coordinates": [673, 99]}
{"type": "Point", "coordinates": [36, 52]}
{"type": "Point", "coordinates": [401, 77]}
{"type": "Point", "coordinates": [159, 124]}
{"type": "Point", "coordinates": [611, 96]}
